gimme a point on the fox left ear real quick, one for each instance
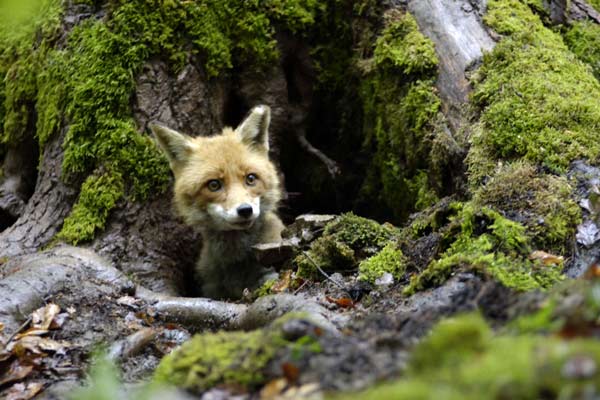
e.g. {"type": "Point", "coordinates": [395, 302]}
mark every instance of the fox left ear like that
{"type": "Point", "coordinates": [254, 131]}
{"type": "Point", "coordinates": [176, 146]}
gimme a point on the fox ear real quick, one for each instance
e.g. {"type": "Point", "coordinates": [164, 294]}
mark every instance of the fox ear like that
{"type": "Point", "coordinates": [254, 131]}
{"type": "Point", "coordinates": [176, 146]}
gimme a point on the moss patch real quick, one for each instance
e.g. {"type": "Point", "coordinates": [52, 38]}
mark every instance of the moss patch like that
{"type": "Point", "coordinates": [237, 358]}
{"type": "Point", "coordinates": [595, 4]}
{"type": "Point", "coordinates": [542, 202]}
{"type": "Point", "coordinates": [537, 100]}
{"type": "Point", "coordinates": [463, 359]}
{"type": "Point", "coordinates": [99, 194]}
{"type": "Point", "coordinates": [390, 259]}
{"type": "Point", "coordinates": [399, 104]}
{"type": "Point", "coordinates": [26, 33]}
{"type": "Point", "coordinates": [583, 39]}
{"type": "Point", "coordinates": [213, 358]}
{"type": "Point", "coordinates": [483, 240]}
{"type": "Point", "coordinates": [345, 241]}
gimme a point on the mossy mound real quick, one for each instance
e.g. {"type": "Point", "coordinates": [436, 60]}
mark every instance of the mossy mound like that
{"type": "Point", "coordinates": [218, 358]}
{"type": "Point", "coordinates": [463, 359]}
{"type": "Point", "coordinates": [540, 201]}
{"type": "Point", "coordinates": [235, 358]}
{"type": "Point", "coordinates": [537, 100]}
{"type": "Point", "coordinates": [345, 241]}
{"type": "Point", "coordinates": [481, 239]}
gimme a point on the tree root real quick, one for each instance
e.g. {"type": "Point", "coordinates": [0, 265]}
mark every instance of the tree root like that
{"type": "Point", "coordinates": [200, 313]}
{"type": "Point", "coordinates": [33, 279]}
{"type": "Point", "coordinates": [30, 280]}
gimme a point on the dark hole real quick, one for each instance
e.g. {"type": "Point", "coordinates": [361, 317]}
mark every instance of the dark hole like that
{"type": "Point", "coordinates": [235, 109]}
{"type": "Point", "coordinates": [6, 220]}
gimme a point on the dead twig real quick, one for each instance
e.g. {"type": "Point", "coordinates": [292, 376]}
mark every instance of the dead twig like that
{"type": "Point", "coordinates": [19, 329]}
{"type": "Point", "coordinates": [332, 167]}
{"type": "Point", "coordinates": [326, 275]}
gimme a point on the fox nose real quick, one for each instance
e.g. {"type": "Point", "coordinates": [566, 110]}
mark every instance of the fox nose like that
{"type": "Point", "coordinates": [245, 210]}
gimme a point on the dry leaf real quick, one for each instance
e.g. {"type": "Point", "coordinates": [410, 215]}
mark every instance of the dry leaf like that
{"type": "Point", "coordinates": [42, 317]}
{"type": "Point", "coordinates": [31, 332]}
{"type": "Point", "coordinates": [546, 258]}
{"type": "Point", "coordinates": [344, 302]}
{"type": "Point", "coordinates": [128, 301]}
{"type": "Point", "coordinates": [16, 373]}
{"type": "Point", "coordinates": [273, 389]}
{"type": "Point", "coordinates": [20, 391]}
{"type": "Point", "coordinates": [283, 283]}
{"type": "Point", "coordinates": [592, 272]}
{"type": "Point", "coordinates": [37, 345]}
{"type": "Point", "coordinates": [1, 326]}
{"type": "Point", "coordinates": [291, 372]}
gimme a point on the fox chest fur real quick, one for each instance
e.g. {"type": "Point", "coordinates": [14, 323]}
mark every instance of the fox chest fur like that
{"type": "Point", "coordinates": [226, 186]}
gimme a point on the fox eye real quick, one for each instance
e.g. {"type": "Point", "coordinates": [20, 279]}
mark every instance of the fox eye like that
{"type": "Point", "coordinates": [251, 179]}
{"type": "Point", "coordinates": [214, 185]}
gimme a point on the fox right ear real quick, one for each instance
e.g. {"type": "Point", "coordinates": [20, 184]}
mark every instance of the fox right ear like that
{"type": "Point", "coordinates": [176, 146]}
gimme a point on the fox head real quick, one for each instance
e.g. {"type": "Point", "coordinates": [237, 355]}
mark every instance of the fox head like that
{"type": "Point", "coordinates": [223, 182]}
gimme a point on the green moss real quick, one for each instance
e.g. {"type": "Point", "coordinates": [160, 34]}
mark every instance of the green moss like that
{"type": "Point", "coordinates": [595, 4]}
{"type": "Point", "coordinates": [542, 202]}
{"type": "Point", "coordinates": [400, 105]}
{"type": "Point", "coordinates": [537, 101]}
{"type": "Point", "coordinates": [218, 358]}
{"type": "Point", "coordinates": [583, 39]}
{"type": "Point", "coordinates": [462, 359]}
{"type": "Point", "coordinates": [345, 241]}
{"type": "Point", "coordinates": [26, 32]}
{"type": "Point", "coordinates": [237, 358]}
{"type": "Point", "coordinates": [483, 240]}
{"type": "Point", "coordinates": [451, 340]}
{"type": "Point", "coordinates": [389, 259]}
{"type": "Point", "coordinates": [98, 195]}
{"type": "Point", "coordinates": [265, 289]}
{"type": "Point", "coordinates": [402, 48]}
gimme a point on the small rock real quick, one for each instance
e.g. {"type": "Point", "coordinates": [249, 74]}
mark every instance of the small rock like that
{"type": "Point", "coordinates": [579, 367]}
{"type": "Point", "coordinates": [386, 279]}
{"type": "Point", "coordinates": [587, 233]}
{"type": "Point", "coordinates": [274, 253]}
{"type": "Point", "coordinates": [296, 328]}
{"type": "Point", "coordinates": [314, 220]}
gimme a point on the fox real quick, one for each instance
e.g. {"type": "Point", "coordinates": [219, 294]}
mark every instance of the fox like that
{"type": "Point", "coordinates": [227, 187]}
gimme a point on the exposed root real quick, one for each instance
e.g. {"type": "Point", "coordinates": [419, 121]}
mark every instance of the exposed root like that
{"type": "Point", "coordinates": [194, 313]}
{"type": "Point", "coordinates": [31, 279]}
{"type": "Point", "coordinates": [35, 278]}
